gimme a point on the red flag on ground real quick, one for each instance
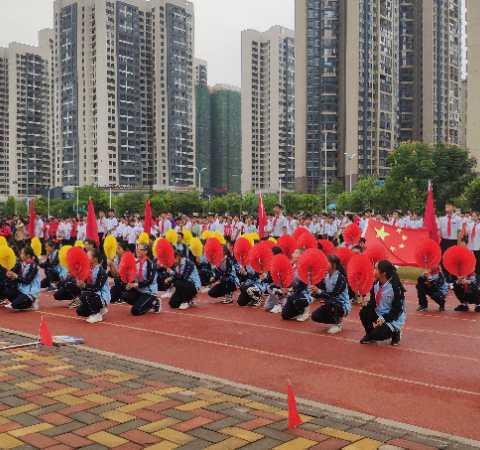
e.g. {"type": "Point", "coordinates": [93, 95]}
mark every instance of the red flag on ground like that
{"type": "Point", "coordinates": [400, 243]}
{"type": "Point", "coordinates": [294, 419]}
{"type": "Point", "coordinates": [92, 226]}
{"type": "Point", "coordinates": [147, 221]}
{"type": "Point", "coordinates": [45, 337]}
{"type": "Point", "coordinates": [262, 217]}
{"type": "Point", "coordinates": [32, 217]}
{"type": "Point", "coordinates": [429, 216]}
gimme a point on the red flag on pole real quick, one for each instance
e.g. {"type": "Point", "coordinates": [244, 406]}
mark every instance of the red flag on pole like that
{"type": "Point", "coordinates": [294, 419]}
{"type": "Point", "coordinates": [32, 216]}
{"type": "Point", "coordinates": [147, 222]}
{"type": "Point", "coordinates": [262, 217]}
{"type": "Point", "coordinates": [45, 337]}
{"type": "Point", "coordinates": [92, 226]}
{"type": "Point", "coordinates": [429, 216]}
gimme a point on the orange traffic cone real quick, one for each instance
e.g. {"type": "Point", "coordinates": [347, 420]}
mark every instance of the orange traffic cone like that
{"type": "Point", "coordinates": [45, 335]}
{"type": "Point", "coordinates": [294, 419]}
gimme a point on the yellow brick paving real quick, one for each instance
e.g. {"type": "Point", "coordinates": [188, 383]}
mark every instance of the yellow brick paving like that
{"type": "Point", "coordinates": [116, 404]}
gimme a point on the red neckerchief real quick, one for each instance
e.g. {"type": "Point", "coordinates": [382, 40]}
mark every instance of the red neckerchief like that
{"type": "Point", "coordinates": [474, 232]}
{"type": "Point", "coordinates": [141, 262]}
{"type": "Point", "coordinates": [449, 226]}
{"type": "Point", "coordinates": [378, 295]}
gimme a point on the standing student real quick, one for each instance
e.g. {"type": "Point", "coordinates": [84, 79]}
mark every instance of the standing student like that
{"type": "Point", "coordinates": [142, 293]}
{"type": "Point", "coordinates": [467, 291]}
{"type": "Point", "coordinates": [432, 284]}
{"type": "Point", "coordinates": [450, 226]}
{"type": "Point", "coordinates": [95, 293]}
{"type": "Point", "coordinates": [383, 317]}
{"type": "Point", "coordinates": [28, 282]}
{"type": "Point", "coordinates": [185, 281]}
{"type": "Point", "coordinates": [473, 238]}
{"type": "Point", "coordinates": [333, 290]}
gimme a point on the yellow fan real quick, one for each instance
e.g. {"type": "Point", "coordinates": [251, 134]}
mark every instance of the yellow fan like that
{"type": "Point", "coordinates": [79, 244]}
{"type": "Point", "coordinates": [3, 241]}
{"type": "Point", "coordinates": [196, 247]}
{"type": "Point", "coordinates": [36, 246]}
{"type": "Point", "coordinates": [110, 247]}
{"type": "Point", "coordinates": [143, 239]}
{"type": "Point", "coordinates": [207, 234]}
{"type": "Point", "coordinates": [7, 257]}
{"type": "Point", "coordinates": [171, 236]}
{"type": "Point", "coordinates": [219, 237]}
{"type": "Point", "coordinates": [272, 240]}
{"type": "Point", "coordinates": [251, 237]}
{"type": "Point", "coordinates": [187, 236]}
{"type": "Point", "coordinates": [62, 255]}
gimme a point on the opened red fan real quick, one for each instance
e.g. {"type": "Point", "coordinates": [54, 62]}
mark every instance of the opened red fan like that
{"type": "Point", "coordinates": [312, 266]}
{"type": "Point", "coordinates": [376, 252]}
{"type": "Point", "coordinates": [288, 244]}
{"type": "Point", "coordinates": [281, 271]}
{"type": "Point", "coordinates": [352, 234]}
{"type": "Point", "coordinates": [78, 264]}
{"type": "Point", "coordinates": [306, 240]}
{"type": "Point", "coordinates": [459, 261]}
{"type": "Point", "coordinates": [213, 252]}
{"type": "Point", "coordinates": [127, 269]}
{"type": "Point", "coordinates": [428, 254]}
{"type": "Point", "coordinates": [165, 253]}
{"type": "Point", "coordinates": [360, 274]}
{"type": "Point", "coordinates": [344, 254]}
{"type": "Point", "coordinates": [241, 250]}
{"type": "Point", "coordinates": [298, 232]}
{"type": "Point", "coordinates": [326, 246]}
{"type": "Point", "coordinates": [260, 257]}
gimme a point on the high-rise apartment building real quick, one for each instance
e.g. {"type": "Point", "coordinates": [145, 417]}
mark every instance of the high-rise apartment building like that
{"type": "Point", "coordinates": [226, 148]}
{"type": "Point", "coordinates": [268, 110]}
{"type": "Point", "coordinates": [124, 93]}
{"type": "Point", "coordinates": [430, 70]}
{"type": "Point", "coordinates": [25, 117]}
{"type": "Point", "coordinates": [346, 89]}
{"type": "Point", "coordinates": [201, 72]}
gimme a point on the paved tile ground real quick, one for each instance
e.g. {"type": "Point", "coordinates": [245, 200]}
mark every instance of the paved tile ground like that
{"type": "Point", "coordinates": [69, 398]}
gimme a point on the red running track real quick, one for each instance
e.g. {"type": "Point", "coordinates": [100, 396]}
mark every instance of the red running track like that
{"type": "Point", "coordinates": [431, 380]}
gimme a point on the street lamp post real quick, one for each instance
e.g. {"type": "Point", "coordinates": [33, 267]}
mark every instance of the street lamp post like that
{"type": "Point", "coordinates": [48, 202]}
{"type": "Point", "coordinates": [350, 171]}
{"type": "Point", "coordinates": [325, 175]}
{"type": "Point", "coordinates": [200, 171]}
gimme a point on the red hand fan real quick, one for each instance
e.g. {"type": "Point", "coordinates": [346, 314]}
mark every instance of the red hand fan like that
{"type": "Point", "coordinates": [78, 264]}
{"type": "Point", "coordinates": [127, 269]}
{"type": "Point", "coordinates": [352, 234]}
{"type": "Point", "coordinates": [281, 271]}
{"type": "Point", "coordinates": [165, 253]}
{"type": "Point", "coordinates": [344, 254]}
{"type": "Point", "coordinates": [360, 274]}
{"type": "Point", "coordinates": [306, 241]}
{"type": "Point", "coordinates": [428, 254]}
{"type": "Point", "coordinates": [459, 261]}
{"type": "Point", "coordinates": [260, 257]}
{"type": "Point", "coordinates": [241, 250]}
{"type": "Point", "coordinates": [376, 252]}
{"type": "Point", "coordinates": [213, 252]}
{"type": "Point", "coordinates": [326, 246]}
{"type": "Point", "coordinates": [288, 244]}
{"type": "Point", "coordinates": [312, 266]}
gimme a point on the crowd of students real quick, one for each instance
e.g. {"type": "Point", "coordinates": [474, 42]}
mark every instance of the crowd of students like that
{"type": "Point", "coordinates": [382, 313]}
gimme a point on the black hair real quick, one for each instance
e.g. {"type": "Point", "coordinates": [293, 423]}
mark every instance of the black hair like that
{"type": "Point", "coordinates": [97, 254]}
{"type": "Point", "coordinates": [124, 244]}
{"type": "Point", "coordinates": [391, 273]}
{"type": "Point", "coordinates": [29, 252]}
{"type": "Point", "coordinates": [334, 260]}
{"type": "Point", "coordinates": [278, 205]}
{"type": "Point", "coordinates": [50, 243]}
{"type": "Point", "coordinates": [277, 250]}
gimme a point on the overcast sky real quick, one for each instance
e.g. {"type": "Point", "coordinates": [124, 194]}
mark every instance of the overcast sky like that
{"type": "Point", "coordinates": [218, 27]}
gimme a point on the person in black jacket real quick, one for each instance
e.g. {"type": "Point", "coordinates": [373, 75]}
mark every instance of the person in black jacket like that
{"type": "Point", "coordinates": [467, 291]}
{"type": "Point", "coordinates": [226, 280]}
{"type": "Point", "coordinates": [50, 266]}
{"type": "Point", "coordinates": [118, 287]}
{"type": "Point", "coordinates": [8, 286]}
{"type": "Point", "coordinates": [185, 280]}
{"type": "Point", "coordinates": [432, 284]}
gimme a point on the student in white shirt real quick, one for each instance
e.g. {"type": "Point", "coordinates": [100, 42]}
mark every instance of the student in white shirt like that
{"type": "Point", "coordinates": [473, 238]}
{"type": "Point", "coordinates": [278, 223]}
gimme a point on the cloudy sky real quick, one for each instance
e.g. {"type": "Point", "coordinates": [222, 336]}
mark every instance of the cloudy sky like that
{"type": "Point", "coordinates": [218, 27]}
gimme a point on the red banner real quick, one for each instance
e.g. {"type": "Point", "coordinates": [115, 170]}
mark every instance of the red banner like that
{"type": "Point", "coordinates": [400, 243]}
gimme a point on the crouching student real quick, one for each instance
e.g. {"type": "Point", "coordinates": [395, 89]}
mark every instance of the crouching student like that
{"type": "Point", "coordinates": [142, 293]}
{"type": "Point", "coordinates": [276, 298]}
{"type": "Point", "coordinates": [467, 291]}
{"type": "Point", "coordinates": [432, 284]}
{"type": "Point", "coordinates": [51, 267]}
{"type": "Point", "coordinates": [333, 290]}
{"type": "Point", "coordinates": [67, 289]}
{"type": "Point", "coordinates": [226, 279]}
{"type": "Point", "coordinates": [252, 287]}
{"type": "Point", "coordinates": [95, 294]}
{"type": "Point", "coordinates": [9, 286]}
{"type": "Point", "coordinates": [118, 288]}
{"type": "Point", "coordinates": [25, 296]}
{"type": "Point", "coordinates": [383, 317]}
{"type": "Point", "coordinates": [185, 281]}
{"type": "Point", "coordinates": [298, 302]}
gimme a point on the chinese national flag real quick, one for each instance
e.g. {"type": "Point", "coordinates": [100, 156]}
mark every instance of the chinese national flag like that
{"type": "Point", "coordinates": [400, 243]}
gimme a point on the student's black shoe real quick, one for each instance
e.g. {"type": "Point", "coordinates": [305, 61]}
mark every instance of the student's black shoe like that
{"type": "Point", "coordinates": [422, 308]}
{"type": "Point", "coordinates": [157, 306]}
{"type": "Point", "coordinates": [461, 308]}
{"type": "Point", "coordinates": [441, 308]}
{"type": "Point", "coordinates": [366, 340]}
{"type": "Point", "coordinates": [396, 336]}
{"type": "Point", "coordinates": [477, 308]}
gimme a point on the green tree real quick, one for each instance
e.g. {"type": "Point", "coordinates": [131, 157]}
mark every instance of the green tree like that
{"type": "Point", "coordinates": [472, 195]}
{"type": "Point", "coordinates": [366, 194]}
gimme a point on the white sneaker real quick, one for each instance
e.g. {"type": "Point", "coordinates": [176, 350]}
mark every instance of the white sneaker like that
{"type": "Point", "coordinates": [204, 290]}
{"type": "Point", "coordinates": [277, 309]}
{"type": "Point", "coordinates": [35, 306]}
{"type": "Point", "coordinates": [167, 295]}
{"type": "Point", "coordinates": [184, 306]}
{"type": "Point", "coordinates": [303, 317]}
{"type": "Point", "coordinates": [335, 329]}
{"type": "Point", "coordinates": [95, 318]}
{"type": "Point", "coordinates": [104, 311]}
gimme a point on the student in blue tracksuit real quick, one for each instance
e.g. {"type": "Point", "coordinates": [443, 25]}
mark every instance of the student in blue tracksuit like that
{"type": "Point", "coordinates": [298, 301]}
{"type": "Point", "coordinates": [95, 293]}
{"type": "Point", "coordinates": [118, 287]}
{"type": "Point", "coordinates": [333, 290]}
{"type": "Point", "coordinates": [226, 279]}
{"type": "Point", "coordinates": [432, 284]}
{"type": "Point", "coordinates": [28, 282]}
{"type": "Point", "coordinates": [185, 280]}
{"type": "Point", "coordinates": [51, 266]}
{"type": "Point", "coordinates": [142, 293]}
{"type": "Point", "coordinates": [384, 315]}
{"type": "Point", "coordinates": [252, 287]}
{"type": "Point", "coordinates": [467, 291]}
